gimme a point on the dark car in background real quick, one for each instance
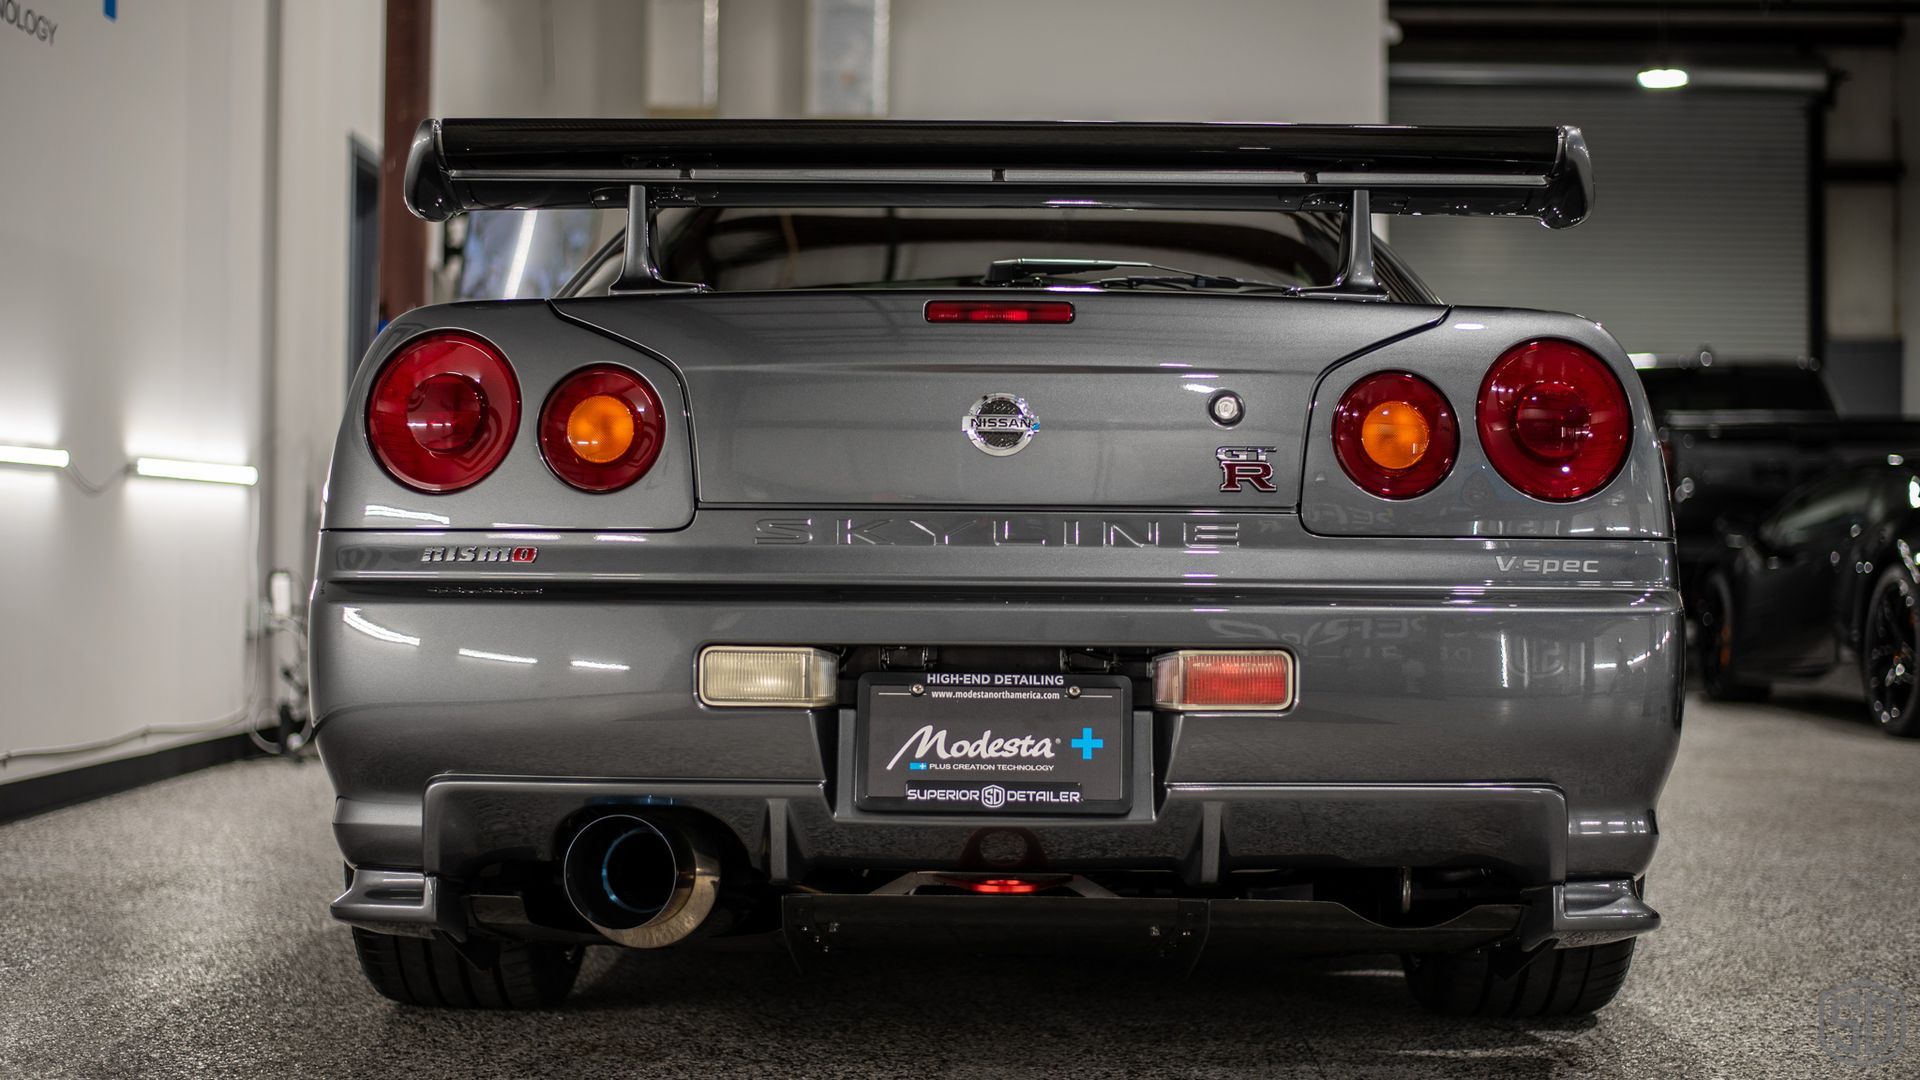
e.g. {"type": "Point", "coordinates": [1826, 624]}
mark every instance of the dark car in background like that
{"type": "Point", "coordinates": [1825, 580]}
{"type": "Point", "coordinates": [1740, 433]}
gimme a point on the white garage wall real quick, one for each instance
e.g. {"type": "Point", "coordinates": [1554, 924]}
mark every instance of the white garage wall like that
{"type": "Point", "coordinates": [1309, 61]}
{"type": "Point", "coordinates": [131, 255]}
{"type": "Point", "coordinates": [331, 64]}
{"type": "Point", "coordinates": [176, 250]}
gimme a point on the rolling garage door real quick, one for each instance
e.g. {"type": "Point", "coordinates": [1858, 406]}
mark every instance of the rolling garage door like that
{"type": "Point", "coordinates": [1699, 229]}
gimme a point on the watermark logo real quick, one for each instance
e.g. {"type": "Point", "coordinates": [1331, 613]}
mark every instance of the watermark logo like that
{"type": "Point", "coordinates": [1862, 1023]}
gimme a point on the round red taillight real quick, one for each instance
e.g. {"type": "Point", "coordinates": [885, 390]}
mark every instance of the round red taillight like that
{"type": "Point", "coordinates": [1395, 435]}
{"type": "Point", "coordinates": [1554, 420]}
{"type": "Point", "coordinates": [443, 411]}
{"type": "Point", "coordinates": [602, 428]}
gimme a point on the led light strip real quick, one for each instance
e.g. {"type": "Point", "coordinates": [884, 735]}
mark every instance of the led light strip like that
{"type": "Point", "coordinates": [33, 455]}
{"type": "Point", "coordinates": [206, 472]}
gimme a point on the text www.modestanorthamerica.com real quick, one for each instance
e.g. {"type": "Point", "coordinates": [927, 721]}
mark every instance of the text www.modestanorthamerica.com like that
{"type": "Point", "coordinates": [997, 695]}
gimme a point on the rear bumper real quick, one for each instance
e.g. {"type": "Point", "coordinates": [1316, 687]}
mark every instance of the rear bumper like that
{"type": "Point", "coordinates": [1450, 714]}
{"type": "Point", "coordinates": [1171, 929]}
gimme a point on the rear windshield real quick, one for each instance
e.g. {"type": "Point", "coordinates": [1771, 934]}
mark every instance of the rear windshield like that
{"type": "Point", "coordinates": [1784, 388]}
{"type": "Point", "coordinates": [753, 249]}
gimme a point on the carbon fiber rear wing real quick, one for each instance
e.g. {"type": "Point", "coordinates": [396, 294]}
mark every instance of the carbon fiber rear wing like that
{"type": "Point", "coordinates": [460, 165]}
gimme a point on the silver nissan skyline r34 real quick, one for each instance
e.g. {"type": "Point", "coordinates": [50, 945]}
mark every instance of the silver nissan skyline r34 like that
{"type": "Point", "coordinates": [927, 534]}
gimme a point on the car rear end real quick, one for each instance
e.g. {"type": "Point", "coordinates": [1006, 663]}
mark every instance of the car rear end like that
{"type": "Point", "coordinates": [877, 624]}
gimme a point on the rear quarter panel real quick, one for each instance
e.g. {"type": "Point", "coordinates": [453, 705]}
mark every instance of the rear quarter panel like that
{"type": "Point", "coordinates": [522, 493]}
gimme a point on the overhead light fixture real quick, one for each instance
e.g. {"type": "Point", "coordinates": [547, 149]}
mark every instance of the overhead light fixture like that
{"type": "Point", "coordinates": [1662, 78]}
{"type": "Point", "coordinates": [33, 455]}
{"type": "Point", "coordinates": [203, 471]}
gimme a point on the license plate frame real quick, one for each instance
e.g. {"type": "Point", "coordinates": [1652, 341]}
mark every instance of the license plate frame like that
{"type": "Point", "coordinates": [990, 724]}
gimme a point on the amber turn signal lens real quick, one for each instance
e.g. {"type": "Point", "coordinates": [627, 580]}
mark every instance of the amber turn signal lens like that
{"type": "Point", "coordinates": [1395, 435]}
{"type": "Point", "coordinates": [600, 428]}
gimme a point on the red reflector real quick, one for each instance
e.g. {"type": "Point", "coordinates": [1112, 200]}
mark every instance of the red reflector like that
{"type": "Point", "coordinates": [998, 311]}
{"type": "Point", "coordinates": [1228, 680]}
{"type": "Point", "coordinates": [1003, 886]}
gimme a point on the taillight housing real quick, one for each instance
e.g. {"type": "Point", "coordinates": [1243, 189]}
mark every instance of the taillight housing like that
{"type": "Point", "coordinates": [1395, 435]}
{"type": "Point", "coordinates": [443, 411]}
{"type": "Point", "coordinates": [1554, 420]}
{"type": "Point", "coordinates": [602, 428]}
{"type": "Point", "coordinates": [1224, 680]}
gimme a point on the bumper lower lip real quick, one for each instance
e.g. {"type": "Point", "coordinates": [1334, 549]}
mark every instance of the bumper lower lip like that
{"type": "Point", "coordinates": [1167, 929]}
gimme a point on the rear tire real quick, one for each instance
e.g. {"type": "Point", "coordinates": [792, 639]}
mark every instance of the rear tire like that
{"type": "Point", "coordinates": [1716, 646]}
{"type": "Point", "coordinates": [1562, 982]}
{"type": "Point", "coordinates": [430, 972]}
{"type": "Point", "coordinates": [1887, 654]}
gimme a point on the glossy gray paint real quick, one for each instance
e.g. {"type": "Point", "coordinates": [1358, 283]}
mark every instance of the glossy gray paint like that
{"type": "Point", "coordinates": [848, 398]}
{"type": "Point", "coordinates": [1421, 660]}
{"type": "Point", "coordinates": [1484, 678]}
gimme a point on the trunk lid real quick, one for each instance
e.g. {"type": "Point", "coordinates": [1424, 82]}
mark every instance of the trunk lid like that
{"type": "Point", "coordinates": [852, 398]}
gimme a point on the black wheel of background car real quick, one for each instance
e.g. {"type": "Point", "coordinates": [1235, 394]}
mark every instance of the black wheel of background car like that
{"type": "Point", "coordinates": [1716, 646]}
{"type": "Point", "coordinates": [1562, 982]}
{"type": "Point", "coordinates": [428, 971]}
{"type": "Point", "coordinates": [1887, 654]}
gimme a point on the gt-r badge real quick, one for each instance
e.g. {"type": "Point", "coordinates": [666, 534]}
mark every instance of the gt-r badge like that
{"type": "Point", "coordinates": [1245, 465]}
{"type": "Point", "coordinates": [1000, 424]}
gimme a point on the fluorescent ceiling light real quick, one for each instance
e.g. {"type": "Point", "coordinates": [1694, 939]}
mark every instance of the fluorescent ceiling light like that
{"type": "Point", "coordinates": [207, 472]}
{"type": "Point", "coordinates": [1663, 78]}
{"type": "Point", "coordinates": [33, 455]}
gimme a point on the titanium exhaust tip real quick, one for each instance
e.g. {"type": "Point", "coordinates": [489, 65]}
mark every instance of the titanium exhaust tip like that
{"type": "Point", "coordinates": [641, 884]}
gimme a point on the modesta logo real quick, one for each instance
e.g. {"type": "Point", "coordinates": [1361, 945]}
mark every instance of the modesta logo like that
{"type": "Point", "coordinates": [928, 740]}
{"type": "Point", "coordinates": [1513, 563]}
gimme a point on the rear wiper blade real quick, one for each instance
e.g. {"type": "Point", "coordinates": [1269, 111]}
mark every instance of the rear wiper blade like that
{"type": "Point", "coordinates": [1197, 282]}
{"type": "Point", "coordinates": [1015, 271]}
{"type": "Point", "coordinates": [1010, 271]}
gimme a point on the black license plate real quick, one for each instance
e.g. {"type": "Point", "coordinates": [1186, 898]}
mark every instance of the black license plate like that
{"type": "Point", "coordinates": [954, 742]}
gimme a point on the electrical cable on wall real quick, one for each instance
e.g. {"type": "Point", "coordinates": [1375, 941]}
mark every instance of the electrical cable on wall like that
{"type": "Point", "coordinates": [248, 714]}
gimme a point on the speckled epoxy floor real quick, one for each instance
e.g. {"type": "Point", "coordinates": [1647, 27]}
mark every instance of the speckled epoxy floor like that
{"type": "Point", "coordinates": [181, 930]}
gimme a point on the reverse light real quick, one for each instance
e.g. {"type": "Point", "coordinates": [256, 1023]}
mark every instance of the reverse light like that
{"type": "Point", "coordinates": [602, 428]}
{"type": "Point", "coordinates": [999, 311]}
{"type": "Point", "coordinates": [1226, 680]}
{"type": "Point", "coordinates": [1554, 420]}
{"type": "Point", "coordinates": [768, 676]}
{"type": "Point", "coordinates": [1395, 435]}
{"type": "Point", "coordinates": [206, 472]}
{"type": "Point", "coordinates": [443, 411]}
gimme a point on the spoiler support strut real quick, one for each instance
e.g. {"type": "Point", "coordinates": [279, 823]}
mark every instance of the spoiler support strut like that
{"type": "Point", "coordinates": [639, 265]}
